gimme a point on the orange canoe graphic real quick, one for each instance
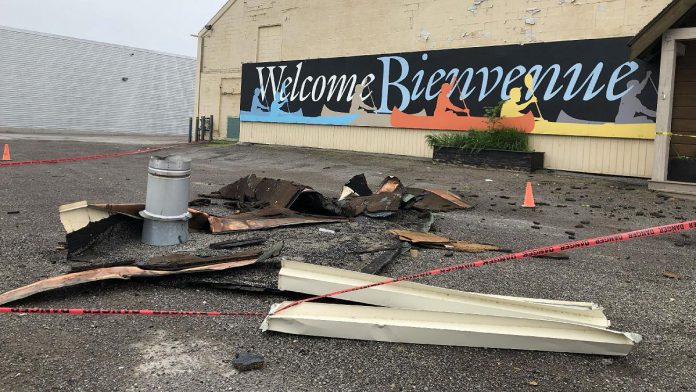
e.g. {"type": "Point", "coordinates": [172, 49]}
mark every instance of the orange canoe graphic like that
{"type": "Point", "coordinates": [399, 119]}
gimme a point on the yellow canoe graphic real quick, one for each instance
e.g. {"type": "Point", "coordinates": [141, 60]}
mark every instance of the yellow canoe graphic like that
{"type": "Point", "coordinates": [626, 131]}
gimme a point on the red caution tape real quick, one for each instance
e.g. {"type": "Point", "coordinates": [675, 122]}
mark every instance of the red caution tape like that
{"type": "Point", "coordinates": [673, 228]}
{"type": "Point", "coordinates": [142, 312]}
{"type": "Point", "coordinates": [659, 230]}
{"type": "Point", "coordinates": [75, 159]}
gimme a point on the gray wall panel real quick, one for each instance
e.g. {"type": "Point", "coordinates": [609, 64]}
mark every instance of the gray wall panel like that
{"type": "Point", "coordinates": [54, 82]}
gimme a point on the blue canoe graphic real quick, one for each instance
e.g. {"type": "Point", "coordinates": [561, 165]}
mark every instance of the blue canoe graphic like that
{"type": "Point", "coordinates": [297, 118]}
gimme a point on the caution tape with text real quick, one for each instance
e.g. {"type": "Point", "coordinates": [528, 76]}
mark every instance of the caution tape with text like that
{"type": "Point", "coordinates": [75, 159]}
{"type": "Point", "coordinates": [653, 231]}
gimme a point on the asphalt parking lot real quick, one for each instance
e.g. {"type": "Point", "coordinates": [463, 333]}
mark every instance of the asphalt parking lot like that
{"type": "Point", "coordinates": [137, 353]}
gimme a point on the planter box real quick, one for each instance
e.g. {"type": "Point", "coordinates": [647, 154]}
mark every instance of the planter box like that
{"type": "Point", "coordinates": [683, 170]}
{"type": "Point", "coordinates": [515, 160]}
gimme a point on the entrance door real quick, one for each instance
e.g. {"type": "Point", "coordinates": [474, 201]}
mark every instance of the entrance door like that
{"type": "Point", "coordinates": [230, 89]}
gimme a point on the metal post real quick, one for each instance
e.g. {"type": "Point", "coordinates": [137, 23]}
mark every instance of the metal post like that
{"type": "Point", "coordinates": [212, 127]}
{"type": "Point", "coordinates": [196, 129]}
{"type": "Point", "coordinates": [190, 136]}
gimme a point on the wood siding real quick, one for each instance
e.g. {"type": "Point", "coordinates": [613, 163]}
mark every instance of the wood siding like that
{"type": "Point", "coordinates": [684, 112]}
{"type": "Point", "coordinates": [624, 157]}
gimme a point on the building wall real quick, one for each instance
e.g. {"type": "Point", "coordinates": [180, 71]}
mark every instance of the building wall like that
{"type": "Point", "coordinates": [62, 83]}
{"type": "Point", "coordinates": [624, 157]}
{"type": "Point", "coordinates": [316, 29]}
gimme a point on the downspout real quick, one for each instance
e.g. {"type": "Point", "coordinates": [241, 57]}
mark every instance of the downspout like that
{"type": "Point", "coordinates": [199, 72]}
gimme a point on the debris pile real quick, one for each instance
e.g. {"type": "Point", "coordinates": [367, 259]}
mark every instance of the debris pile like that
{"type": "Point", "coordinates": [155, 267]}
{"type": "Point", "coordinates": [397, 217]}
{"type": "Point", "coordinates": [430, 240]}
{"type": "Point", "coordinates": [260, 194]}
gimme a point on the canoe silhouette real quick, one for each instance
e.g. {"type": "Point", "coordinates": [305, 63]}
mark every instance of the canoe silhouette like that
{"type": "Point", "coordinates": [364, 119]}
{"type": "Point", "coordinates": [399, 119]}
{"type": "Point", "coordinates": [297, 118]}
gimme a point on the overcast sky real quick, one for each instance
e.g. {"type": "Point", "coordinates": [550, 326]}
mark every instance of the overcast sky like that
{"type": "Point", "coordinates": [162, 25]}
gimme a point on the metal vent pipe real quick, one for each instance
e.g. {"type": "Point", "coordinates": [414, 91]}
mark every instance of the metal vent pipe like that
{"type": "Point", "coordinates": [166, 205]}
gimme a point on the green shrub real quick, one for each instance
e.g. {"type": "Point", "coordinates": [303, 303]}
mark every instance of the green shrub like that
{"type": "Point", "coordinates": [492, 114]}
{"type": "Point", "coordinates": [506, 139]}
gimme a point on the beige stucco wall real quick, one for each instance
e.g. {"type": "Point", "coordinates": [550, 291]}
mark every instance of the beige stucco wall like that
{"type": "Point", "coordinates": [329, 28]}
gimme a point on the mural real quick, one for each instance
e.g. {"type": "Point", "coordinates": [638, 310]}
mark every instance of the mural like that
{"type": "Point", "coordinates": [580, 88]}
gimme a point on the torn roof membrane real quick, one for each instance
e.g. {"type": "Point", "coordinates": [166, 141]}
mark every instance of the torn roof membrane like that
{"type": "Point", "coordinates": [356, 197]}
{"type": "Point", "coordinates": [276, 193]}
{"type": "Point", "coordinates": [430, 240]}
{"type": "Point", "coordinates": [266, 218]}
{"type": "Point", "coordinates": [119, 272]}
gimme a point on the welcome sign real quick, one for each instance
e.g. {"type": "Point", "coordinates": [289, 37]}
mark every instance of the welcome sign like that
{"type": "Point", "coordinates": [580, 88]}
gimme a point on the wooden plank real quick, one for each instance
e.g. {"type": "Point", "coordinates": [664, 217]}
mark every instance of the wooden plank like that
{"type": "Point", "coordinates": [645, 161]}
{"type": "Point", "coordinates": [686, 62]}
{"type": "Point", "coordinates": [684, 113]}
{"type": "Point", "coordinates": [684, 88]}
{"type": "Point", "coordinates": [685, 75]}
{"type": "Point", "coordinates": [664, 109]}
{"type": "Point", "coordinates": [629, 156]}
{"type": "Point", "coordinates": [683, 126]}
{"type": "Point", "coordinates": [683, 141]}
{"type": "Point", "coordinates": [683, 33]}
{"type": "Point", "coordinates": [587, 156]}
{"type": "Point", "coordinates": [688, 132]}
{"type": "Point", "coordinates": [613, 157]}
{"type": "Point", "coordinates": [685, 100]}
{"type": "Point", "coordinates": [688, 150]}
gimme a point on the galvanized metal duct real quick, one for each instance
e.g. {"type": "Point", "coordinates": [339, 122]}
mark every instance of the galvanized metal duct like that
{"type": "Point", "coordinates": [166, 203]}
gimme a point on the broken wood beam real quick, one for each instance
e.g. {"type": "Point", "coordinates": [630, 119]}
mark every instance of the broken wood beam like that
{"type": "Point", "coordinates": [237, 243]}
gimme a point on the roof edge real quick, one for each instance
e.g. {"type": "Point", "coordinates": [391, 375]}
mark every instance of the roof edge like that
{"type": "Point", "coordinates": [83, 40]}
{"type": "Point", "coordinates": [651, 32]}
{"type": "Point", "coordinates": [217, 16]}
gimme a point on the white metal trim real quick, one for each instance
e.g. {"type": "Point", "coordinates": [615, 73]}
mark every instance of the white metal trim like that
{"type": "Point", "coordinates": [443, 328]}
{"type": "Point", "coordinates": [314, 279]}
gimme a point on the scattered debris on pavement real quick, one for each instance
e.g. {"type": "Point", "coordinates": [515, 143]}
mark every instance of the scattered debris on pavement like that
{"type": "Point", "coordinates": [672, 275]}
{"type": "Point", "coordinates": [430, 240]}
{"type": "Point", "coordinates": [85, 223]}
{"type": "Point", "coordinates": [266, 218]}
{"type": "Point", "coordinates": [230, 244]}
{"type": "Point", "coordinates": [246, 361]}
{"type": "Point", "coordinates": [412, 313]}
{"type": "Point", "coordinates": [166, 266]}
{"type": "Point", "coordinates": [252, 193]}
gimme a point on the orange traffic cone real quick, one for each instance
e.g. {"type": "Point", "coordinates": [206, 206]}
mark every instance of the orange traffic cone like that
{"type": "Point", "coordinates": [529, 197]}
{"type": "Point", "coordinates": [6, 153]}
